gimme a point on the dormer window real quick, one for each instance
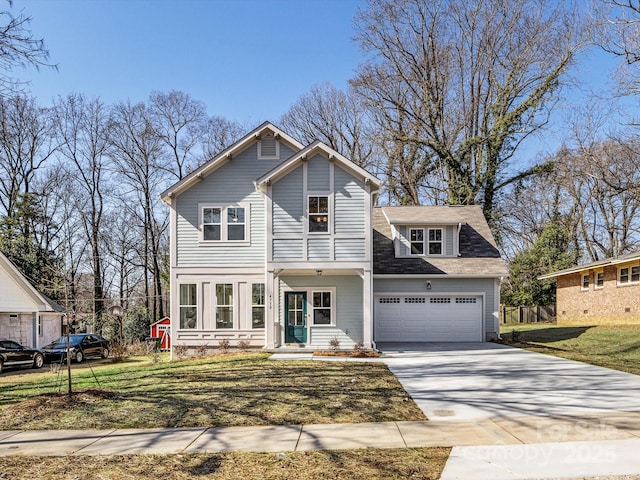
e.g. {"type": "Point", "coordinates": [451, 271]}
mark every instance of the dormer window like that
{"type": "Point", "coordinates": [268, 148]}
{"type": "Point", "coordinates": [431, 245]}
{"type": "Point", "coordinates": [417, 241]}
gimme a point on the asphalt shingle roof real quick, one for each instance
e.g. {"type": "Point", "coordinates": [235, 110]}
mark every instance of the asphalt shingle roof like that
{"type": "Point", "coordinates": [479, 254]}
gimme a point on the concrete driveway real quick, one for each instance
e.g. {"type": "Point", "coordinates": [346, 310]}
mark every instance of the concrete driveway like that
{"type": "Point", "coordinates": [458, 381]}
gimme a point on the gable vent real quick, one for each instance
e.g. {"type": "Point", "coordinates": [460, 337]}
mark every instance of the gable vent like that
{"type": "Point", "coordinates": [268, 148]}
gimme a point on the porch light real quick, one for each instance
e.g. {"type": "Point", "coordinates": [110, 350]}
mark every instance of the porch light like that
{"type": "Point", "coordinates": [428, 285]}
{"type": "Point", "coordinates": [319, 272]}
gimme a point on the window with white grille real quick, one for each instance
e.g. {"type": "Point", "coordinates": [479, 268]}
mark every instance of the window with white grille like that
{"type": "Point", "coordinates": [389, 300]}
{"type": "Point", "coordinates": [415, 300]}
{"type": "Point", "coordinates": [465, 300]}
{"type": "Point", "coordinates": [439, 300]}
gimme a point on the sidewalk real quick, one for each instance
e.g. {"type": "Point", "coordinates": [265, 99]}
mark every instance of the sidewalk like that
{"type": "Point", "coordinates": [497, 449]}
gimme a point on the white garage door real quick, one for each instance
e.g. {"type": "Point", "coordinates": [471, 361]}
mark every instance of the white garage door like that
{"type": "Point", "coordinates": [447, 318]}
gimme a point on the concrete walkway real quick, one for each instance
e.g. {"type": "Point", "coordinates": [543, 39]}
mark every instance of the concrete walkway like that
{"type": "Point", "coordinates": [498, 449]}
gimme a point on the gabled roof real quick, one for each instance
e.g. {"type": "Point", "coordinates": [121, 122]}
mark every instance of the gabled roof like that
{"type": "Point", "coordinates": [479, 255]}
{"type": "Point", "coordinates": [37, 297]}
{"type": "Point", "coordinates": [226, 155]}
{"type": "Point", "coordinates": [630, 257]}
{"type": "Point", "coordinates": [307, 152]}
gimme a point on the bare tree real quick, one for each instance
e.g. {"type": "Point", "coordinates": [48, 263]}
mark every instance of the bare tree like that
{"type": "Point", "coordinates": [335, 117]}
{"type": "Point", "coordinates": [25, 146]}
{"type": "Point", "coordinates": [477, 77]}
{"type": "Point", "coordinates": [219, 134]}
{"type": "Point", "coordinates": [82, 131]}
{"type": "Point", "coordinates": [180, 123]}
{"type": "Point", "coordinates": [18, 48]}
{"type": "Point", "coordinates": [137, 152]}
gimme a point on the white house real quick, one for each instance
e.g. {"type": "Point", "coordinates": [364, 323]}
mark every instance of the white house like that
{"type": "Point", "coordinates": [274, 243]}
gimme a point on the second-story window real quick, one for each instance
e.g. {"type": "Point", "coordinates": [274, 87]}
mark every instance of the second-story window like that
{"type": "Point", "coordinates": [318, 214]}
{"type": "Point", "coordinates": [221, 223]}
{"type": "Point", "coordinates": [416, 236]}
{"type": "Point", "coordinates": [435, 241]}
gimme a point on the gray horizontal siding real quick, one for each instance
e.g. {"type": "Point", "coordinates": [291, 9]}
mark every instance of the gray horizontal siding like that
{"type": "Point", "coordinates": [287, 249]}
{"type": "Point", "coordinates": [318, 176]}
{"type": "Point", "coordinates": [288, 205]}
{"type": "Point", "coordinates": [318, 249]}
{"type": "Point", "coordinates": [350, 249]}
{"type": "Point", "coordinates": [350, 203]}
{"type": "Point", "coordinates": [231, 183]}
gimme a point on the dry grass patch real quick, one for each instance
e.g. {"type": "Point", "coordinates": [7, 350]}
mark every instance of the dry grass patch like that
{"type": "Point", "coordinates": [373, 464]}
{"type": "Point", "coordinates": [232, 390]}
{"type": "Point", "coordinates": [611, 346]}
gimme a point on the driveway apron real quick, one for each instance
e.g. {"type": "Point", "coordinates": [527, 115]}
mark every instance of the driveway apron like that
{"type": "Point", "coordinates": [467, 381]}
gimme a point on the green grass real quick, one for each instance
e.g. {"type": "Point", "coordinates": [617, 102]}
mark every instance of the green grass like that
{"type": "Point", "coordinates": [372, 464]}
{"type": "Point", "coordinates": [611, 346]}
{"type": "Point", "coordinates": [246, 389]}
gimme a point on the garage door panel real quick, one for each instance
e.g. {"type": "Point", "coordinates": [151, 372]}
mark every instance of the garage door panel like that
{"type": "Point", "coordinates": [407, 318]}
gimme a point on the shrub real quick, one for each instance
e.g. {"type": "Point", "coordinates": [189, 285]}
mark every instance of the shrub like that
{"type": "Point", "coordinates": [202, 350]}
{"type": "Point", "coordinates": [224, 345]}
{"type": "Point", "coordinates": [180, 351]}
{"type": "Point", "coordinates": [244, 345]}
{"type": "Point", "coordinates": [358, 348]}
{"type": "Point", "coordinates": [334, 344]}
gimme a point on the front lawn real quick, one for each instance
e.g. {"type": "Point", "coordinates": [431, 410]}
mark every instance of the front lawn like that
{"type": "Point", "coordinates": [244, 389]}
{"type": "Point", "coordinates": [612, 346]}
{"type": "Point", "coordinates": [372, 464]}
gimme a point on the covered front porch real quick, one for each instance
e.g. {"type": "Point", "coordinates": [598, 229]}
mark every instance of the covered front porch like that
{"type": "Point", "coordinates": [316, 308]}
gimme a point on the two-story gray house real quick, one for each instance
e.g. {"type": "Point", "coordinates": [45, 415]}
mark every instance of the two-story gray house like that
{"type": "Point", "coordinates": [278, 244]}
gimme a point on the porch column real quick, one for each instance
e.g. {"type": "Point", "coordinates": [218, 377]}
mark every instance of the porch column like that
{"type": "Point", "coordinates": [367, 312]}
{"type": "Point", "coordinates": [270, 325]}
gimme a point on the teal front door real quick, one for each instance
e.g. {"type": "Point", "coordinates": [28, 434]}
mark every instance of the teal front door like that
{"type": "Point", "coordinates": [295, 317]}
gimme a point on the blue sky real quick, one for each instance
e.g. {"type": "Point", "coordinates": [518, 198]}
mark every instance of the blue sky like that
{"type": "Point", "coordinates": [247, 60]}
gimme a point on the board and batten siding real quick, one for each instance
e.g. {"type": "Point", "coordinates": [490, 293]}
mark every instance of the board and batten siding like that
{"type": "Point", "coordinates": [348, 214]}
{"type": "Point", "coordinates": [232, 183]}
{"type": "Point", "coordinates": [444, 286]}
{"type": "Point", "coordinates": [348, 309]}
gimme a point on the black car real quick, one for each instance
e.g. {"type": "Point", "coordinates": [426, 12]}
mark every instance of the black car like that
{"type": "Point", "coordinates": [82, 345]}
{"type": "Point", "coordinates": [12, 354]}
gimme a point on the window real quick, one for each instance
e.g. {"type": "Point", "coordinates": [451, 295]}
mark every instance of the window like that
{"type": "Point", "coordinates": [319, 214]}
{"type": "Point", "coordinates": [39, 325]}
{"type": "Point", "coordinates": [268, 148]}
{"type": "Point", "coordinates": [188, 305]}
{"type": "Point", "coordinates": [416, 236]}
{"type": "Point", "coordinates": [465, 300]}
{"type": "Point", "coordinates": [257, 305]}
{"type": "Point", "coordinates": [224, 224]}
{"type": "Point", "coordinates": [322, 308]}
{"type": "Point", "coordinates": [235, 223]}
{"type": "Point", "coordinates": [439, 300]}
{"type": "Point", "coordinates": [599, 280]}
{"type": "Point", "coordinates": [415, 300]}
{"type": "Point", "coordinates": [224, 305]}
{"type": "Point", "coordinates": [585, 281]}
{"type": "Point", "coordinates": [623, 275]}
{"type": "Point", "coordinates": [13, 320]}
{"type": "Point", "coordinates": [435, 241]}
{"type": "Point", "coordinates": [211, 223]}
{"type": "Point", "coordinates": [629, 275]}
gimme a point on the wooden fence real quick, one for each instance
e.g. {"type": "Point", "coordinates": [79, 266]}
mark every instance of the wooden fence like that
{"type": "Point", "coordinates": [518, 315]}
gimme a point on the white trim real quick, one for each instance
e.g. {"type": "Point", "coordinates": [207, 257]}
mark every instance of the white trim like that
{"type": "Point", "coordinates": [224, 224]}
{"type": "Point", "coordinates": [269, 157]}
{"type": "Point", "coordinates": [595, 279]}
{"type": "Point", "coordinates": [434, 275]}
{"type": "Point", "coordinates": [582, 278]}
{"type": "Point", "coordinates": [329, 197]}
{"type": "Point", "coordinates": [629, 282]}
{"type": "Point", "coordinates": [332, 307]}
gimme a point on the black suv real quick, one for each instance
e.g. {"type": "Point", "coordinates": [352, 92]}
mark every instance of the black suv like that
{"type": "Point", "coordinates": [12, 354]}
{"type": "Point", "coordinates": [82, 345]}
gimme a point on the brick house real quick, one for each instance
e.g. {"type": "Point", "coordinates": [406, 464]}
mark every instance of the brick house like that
{"type": "Point", "coordinates": [602, 292]}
